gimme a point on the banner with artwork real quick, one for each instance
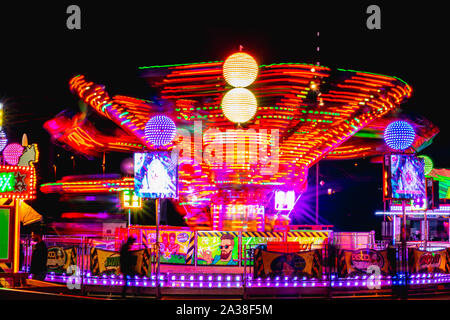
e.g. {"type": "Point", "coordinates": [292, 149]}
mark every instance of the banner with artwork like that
{"type": "Point", "coordinates": [59, 259]}
{"type": "Point", "coordinates": [175, 246]}
{"type": "Point", "coordinates": [217, 248]}
{"type": "Point", "coordinates": [270, 264]}
{"type": "Point", "coordinates": [108, 262]}
{"type": "Point", "coordinates": [429, 262]}
{"type": "Point", "coordinates": [251, 240]}
{"type": "Point", "coordinates": [355, 262]}
{"type": "Point", "coordinates": [308, 239]}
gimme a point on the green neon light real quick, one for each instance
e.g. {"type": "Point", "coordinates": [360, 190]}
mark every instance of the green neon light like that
{"type": "Point", "coordinates": [376, 74]}
{"type": "Point", "coordinates": [361, 134]}
{"type": "Point", "coordinates": [428, 163]}
{"type": "Point", "coordinates": [7, 181]}
{"type": "Point", "coordinates": [4, 233]}
{"type": "Point", "coordinates": [106, 105]}
{"type": "Point", "coordinates": [294, 63]}
{"type": "Point", "coordinates": [177, 65]}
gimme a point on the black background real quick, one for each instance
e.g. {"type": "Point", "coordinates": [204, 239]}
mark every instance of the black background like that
{"type": "Point", "coordinates": [38, 55]}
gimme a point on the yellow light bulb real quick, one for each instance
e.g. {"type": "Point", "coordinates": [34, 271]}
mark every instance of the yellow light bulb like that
{"type": "Point", "coordinates": [240, 69]}
{"type": "Point", "coordinates": [239, 105]}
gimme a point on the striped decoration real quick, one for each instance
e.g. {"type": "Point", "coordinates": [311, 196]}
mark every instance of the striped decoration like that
{"type": "Point", "coordinates": [73, 256]}
{"type": "Point", "coordinates": [191, 249]}
{"type": "Point", "coordinates": [145, 254]}
{"type": "Point", "coordinates": [258, 269]}
{"type": "Point", "coordinates": [307, 234]}
{"type": "Point", "coordinates": [145, 261]}
{"type": "Point", "coordinates": [218, 234]}
{"type": "Point", "coordinates": [144, 238]}
{"type": "Point", "coordinates": [341, 263]}
{"type": "Point", "coordinates": [316, 269]}
{"type": "Point", "coordinates": [263, 234]}
{"type": "Point", "coordinates": [94, 262]}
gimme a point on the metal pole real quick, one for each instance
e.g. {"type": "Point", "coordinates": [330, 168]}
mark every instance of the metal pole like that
{"type": "Point", "coordinates": [404, 248]}
{"type": "Point", "coordinates": [129, 217]}
{"type": "Point", "coordinates": [425, 230]}
{"type": "Point", "coordinates": [244, 280]}
{"type": "Point", "coordinates": [158, 289]}
{"type": "Point", "coordinates": [317, 192]}
{"type": "Point", "coordinates": [83, 251]}
{"type": "Point", "coordinates": [103, 163]}
{"type": "Point", "coordinates": [16, 252]}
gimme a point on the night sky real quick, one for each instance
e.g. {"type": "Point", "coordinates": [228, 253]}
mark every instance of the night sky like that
{"type": "Point", "coordinates": [39, 55]}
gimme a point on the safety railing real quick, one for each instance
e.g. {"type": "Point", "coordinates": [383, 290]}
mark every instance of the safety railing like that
{"type": "Point", "coordinates": [340, 269]}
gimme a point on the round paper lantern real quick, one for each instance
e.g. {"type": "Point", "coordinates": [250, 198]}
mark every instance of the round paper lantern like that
{"type": "Point", "coordinates": [399, 135]}
{"type": "Point", "coordinates": [239, 105]}
{"type": "Point", "coordinates": [428, 164]}
{"type": "Point", "coordinates": [3, 140]}
{"type": "Point", "coordinates": [12, 153]}
{"type": "Point", "coordinates": [240, 69]}
{"type": "Point", "coordinates": [160, 130]}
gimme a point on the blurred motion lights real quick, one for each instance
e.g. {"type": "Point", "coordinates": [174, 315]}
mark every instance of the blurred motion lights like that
{"type": "Point", "coordinates": [239, 105]}
{"type": "Point", "coordinates": [399, 135]}
{"type": "Point", "coordinates": [160, 130]}
{"type": "Point", "coordinates": [240, 69]}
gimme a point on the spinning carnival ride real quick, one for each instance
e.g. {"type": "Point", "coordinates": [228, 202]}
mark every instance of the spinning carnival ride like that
{"type": "Point", "coordinates": [244, 132]}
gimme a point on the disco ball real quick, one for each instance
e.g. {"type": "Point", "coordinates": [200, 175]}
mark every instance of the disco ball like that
{"type": "Point", "coordinates": [12, 153]}
{"type": "Point", "coordinates": [240, 69]}
{"type": "Point", "coordinates": [3, 140]}
{"type": "Point", "coordinates": [428, 164]}
{"type": "Point", "coordinates": [399, 135]}
{"type": "Point", "coordinates": [160, 130]}
{"type": "Point", "coordinates": [239, 105]}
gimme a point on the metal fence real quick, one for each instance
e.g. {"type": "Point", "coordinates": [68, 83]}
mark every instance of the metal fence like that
{"type": "Point", "coordinates": [334, 279]}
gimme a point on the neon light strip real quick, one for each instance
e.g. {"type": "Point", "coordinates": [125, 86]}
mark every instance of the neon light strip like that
{"type": "Point", "coordinates": [409, 213]}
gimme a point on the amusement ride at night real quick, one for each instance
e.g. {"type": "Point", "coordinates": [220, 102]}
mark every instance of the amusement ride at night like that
{"type": "Point", "coordinates": [231, 144]}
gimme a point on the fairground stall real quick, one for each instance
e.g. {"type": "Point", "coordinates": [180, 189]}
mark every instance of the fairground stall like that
{"type": "Point", "coordinates": [230, 143]}
{"type": "Point", "coordinates": [17, 185]}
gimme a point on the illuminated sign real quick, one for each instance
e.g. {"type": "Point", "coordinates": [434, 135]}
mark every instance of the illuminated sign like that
{"type": "Point", "coordinates": [418, 204]}
{"type": "Point", "coordinates": [155, 175]}
{"type": "Point", "coordinates": [6, 234]}
{"type": "Point", "coordinates": [284, 200]}
{"type": "Point", "coordinates": [17, 182]}
{"type": "Point", "coordinates": [217, 248]}
{"type": "Point", "coordinates": [131, 200]}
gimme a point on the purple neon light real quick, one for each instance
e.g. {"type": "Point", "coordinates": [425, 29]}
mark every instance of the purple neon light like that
{"type": "Point", "coordinates": [351, 282]}
{"type": "Point", "coordinates": [399, 135]}
{"type": "Point", "coordinates": [160, 130]}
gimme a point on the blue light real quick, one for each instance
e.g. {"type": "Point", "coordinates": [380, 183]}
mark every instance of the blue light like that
{"type": "Point", "coordinates": [399, 135]}
{"type": "Point", "coordinates": [160, 130]}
